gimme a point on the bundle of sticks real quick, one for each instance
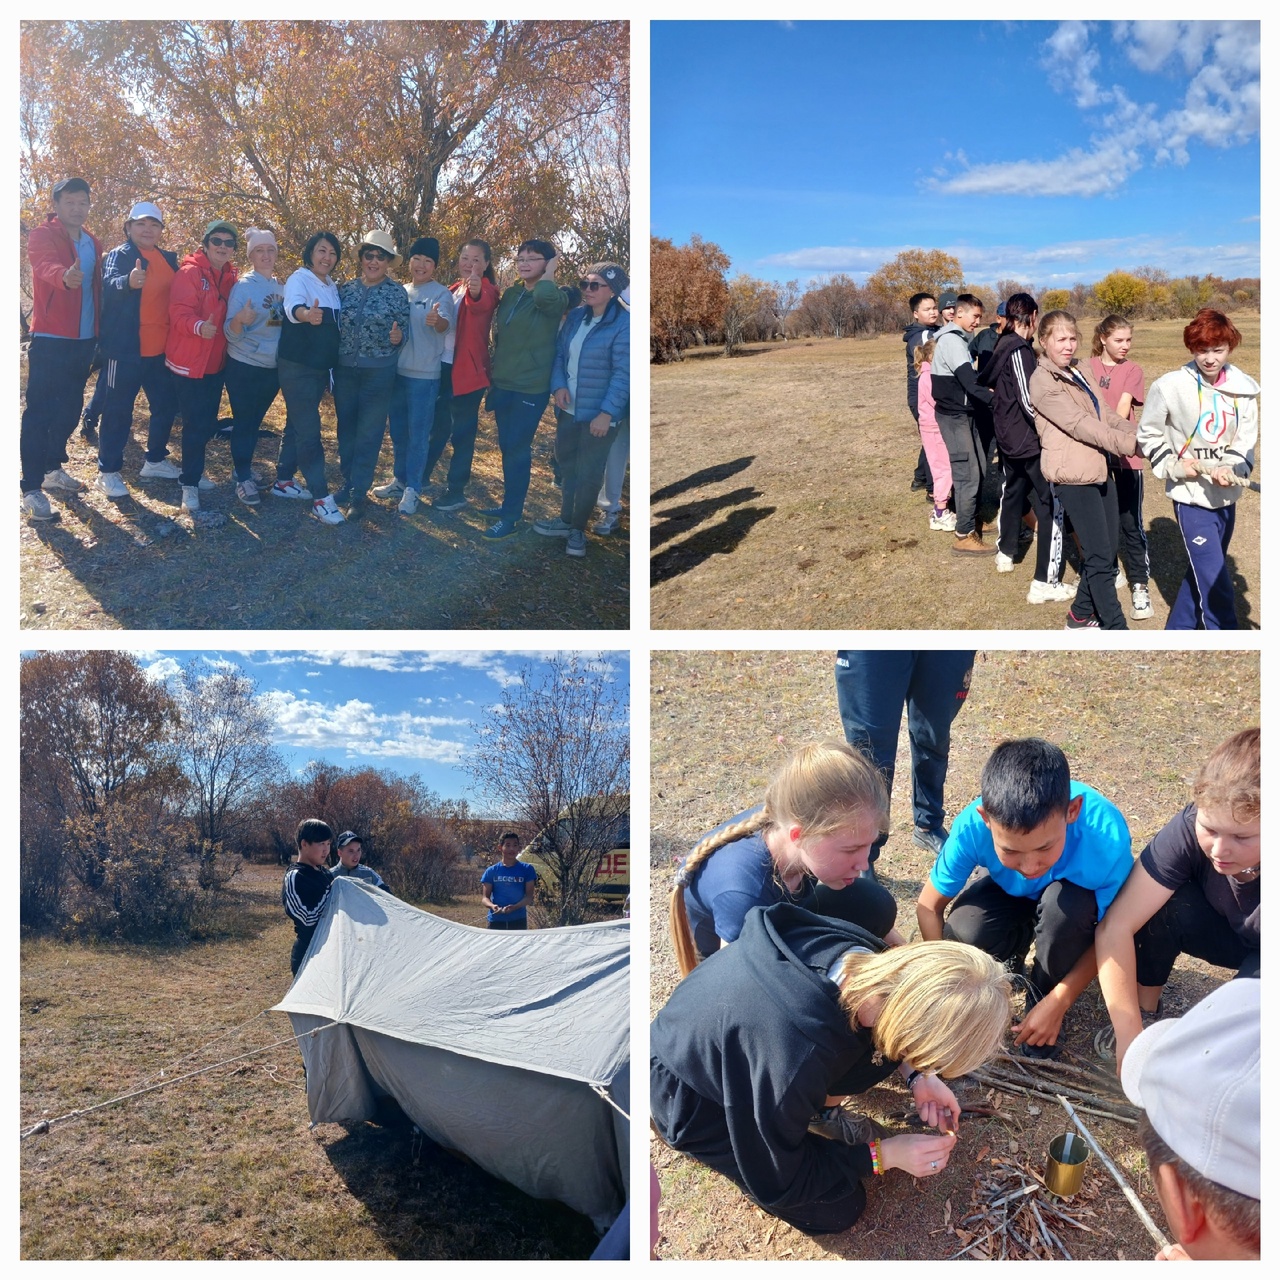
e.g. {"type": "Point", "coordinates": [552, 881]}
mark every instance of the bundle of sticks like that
{"type": "Point", "coordinates": [1014, 1216]}
{"type": "Point", "coordinates": [1092, 1089]}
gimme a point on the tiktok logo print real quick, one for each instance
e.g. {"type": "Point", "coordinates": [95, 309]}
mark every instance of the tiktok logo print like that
{"type": "Point", "coordinates": [1216, 425]}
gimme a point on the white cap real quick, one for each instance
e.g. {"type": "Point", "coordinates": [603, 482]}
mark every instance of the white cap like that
{"type": "Point", "coordinates": [1198, 1079]}
{"type": "Point", "coordinates": [145, 209]}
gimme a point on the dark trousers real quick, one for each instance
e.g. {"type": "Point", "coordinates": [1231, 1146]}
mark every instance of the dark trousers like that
{"type": "Point", "coordinates": [518, 414]}
{"type": "Point", "coordinates": [582, 459]}
{"type": "Point", "coordinates": [699, 1128]}
{"type": "Point", "coordinates": [301, 447]}
{"type": "Point", "coordinates": [1024, 481]}
{"type": "Point", "coordinates": [362, 399]}
{"type": "Point", "coordinates": [1130, 485]}
{"type": "Point", "coordinates": [1188, 925]}
{"type": "Point", "coordinates": [300, 946]}
{"type": "Point", "coordinates": [1206, 600]}
{"type": "Point", "coordinates": [198, 400]}
{"type": "Point", "coordinates": [442, 423]}
{"type": "Point", "coordinates": [1096, 520]}
{"type": "Point", "coordinates": [514, 923]}
{"type": "Point", "coordinates": [57, 369]}
{"type": "Point", "coordinates": [462, 422]}
{"type": "Point", "coordinates": [1061, 923]}
{"type": "Point", "coordinates": [126, 376]}
{"type": "Point", "coordinates": [864, 902]}
{"type": "Point", "coordinates": [873, 685]}
{"type": "Point", "coordinates": [968, 465]}
{"type": "Point", "coordinates": [97, 401]}
{"type": "Point", "coordinates": [251, 391]}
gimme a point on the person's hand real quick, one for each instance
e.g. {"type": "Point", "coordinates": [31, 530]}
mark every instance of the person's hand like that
{"type": "Point", "coordinates": [1223, 476]}
{"type": "Point", "coordinates": [1173, 1253]}
{"type": "Point", "coordinates": [1190, 467]}
{"type": "Point", "coordinates": [936, 1105]}
{"type": "Point", "coordinates": [473, 284]}
{"type": "Point", "coordinates": [1042, 1024]}
{"type": "Point", "coordinates": [552, 263]}
{"type": "Point", "coordinates": [396, 336]}
{"type": "Point", "coordinates": [207, 330]}
{"type": "Point", "coordinates": [919, 1154]}
{"type": "Point", "coordinates": [435, 320]}
{"type": "Point", "coordinates": [600, 424]}
{"type": "Point", "coordinates": [72, 277]}
{"type": "Point", "coordinates": [247, 314]}
{"type": "Point", "coordinates": [313, 314]}
{"type": "Point", "coordinates": [562, 400]}
{"type": "Point", "coordinates": [138, 276]}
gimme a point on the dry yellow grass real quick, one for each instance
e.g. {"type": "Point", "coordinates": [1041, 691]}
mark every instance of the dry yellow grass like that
{"type": "Point", "coordinates": [781, 498]}
{"type": "Point", "coordinates": [1127, 730]}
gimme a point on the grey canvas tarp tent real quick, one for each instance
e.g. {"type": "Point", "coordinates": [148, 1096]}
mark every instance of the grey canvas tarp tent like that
{"type": "Point", "coordinates": [496, 1044]}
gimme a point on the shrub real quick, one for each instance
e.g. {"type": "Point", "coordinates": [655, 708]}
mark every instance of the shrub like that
{"type": "Point", "coordinates": [1054, 300]}
{"type": "Point", "coordinates": [1121, 293]}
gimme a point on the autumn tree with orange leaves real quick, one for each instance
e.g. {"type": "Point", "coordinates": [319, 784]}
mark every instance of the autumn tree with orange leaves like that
{"type": "Point", "coordinates": [688, 294]}
{"type": "Point", "coordinates": [503, 130]}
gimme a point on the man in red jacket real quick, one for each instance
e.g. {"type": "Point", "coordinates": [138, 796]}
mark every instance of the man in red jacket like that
{"type": "Point", "coordinates": [67, 286]}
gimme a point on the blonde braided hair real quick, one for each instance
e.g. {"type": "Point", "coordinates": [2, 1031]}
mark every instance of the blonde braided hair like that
{"type": "Point", "coordinates": [817, 789]}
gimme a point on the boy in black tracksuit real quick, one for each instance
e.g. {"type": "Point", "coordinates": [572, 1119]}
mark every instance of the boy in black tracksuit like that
{"type": "Point", "coordinates": [924, 324]}
{"type": "Point", "coordinates": [742, 1103]}
{"type": "Point", "coordinates": [306, 886]}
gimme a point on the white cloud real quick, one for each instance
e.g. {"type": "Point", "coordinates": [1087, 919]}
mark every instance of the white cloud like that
{"type": "Point", "coordinates": [162, 669]}
{"type": "Point", "coordinates": [1221, 107]}
{"type": "Point", "coordinates": [313, 675]}
{"type": "Point", "coordinates": [357, 728]}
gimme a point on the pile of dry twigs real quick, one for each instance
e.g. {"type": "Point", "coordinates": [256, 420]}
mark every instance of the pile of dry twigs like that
{"type": "Point", "coordinates": [1092, 1089]}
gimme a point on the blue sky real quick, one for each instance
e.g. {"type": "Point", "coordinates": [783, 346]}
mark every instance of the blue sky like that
{"type": "Point", "coordinates": [1047, 152]}
{"type": "Point", "coordinates": [399, 711]}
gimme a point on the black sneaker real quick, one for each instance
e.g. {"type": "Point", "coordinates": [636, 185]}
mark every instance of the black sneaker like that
{"type": "Point", "coordinates": [1075, 624]}
{"type": "Point", "coordinates": [449, 502]}
{"type": "Point", "coordinates": [918, 482]}
{"type": "Point", "coordinates": [849, 1127]}
{"type": "Point", "coordinates": [933, 840]}
{"type": "Point", "coordinates": [1104, 1043]}
{"type": "Point", "coordinates": [89, 427]}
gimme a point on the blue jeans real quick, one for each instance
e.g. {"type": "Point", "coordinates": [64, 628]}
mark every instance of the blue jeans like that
{"type": "Point", "coordinates": [126, 376]}
{"type": "Point", "coordinates": [413, 408]}
{"type": "Point", "coordinates": [198, 399]}
{"type": "Point", "coordinates": [518, 415]}
{"type": "Point", "coordinates": [463, 421]}
{"type": "Point", "coordinates": [1206, 600]}
{"type": "Point", "coordinates": [871, 688]}
{"type": "Point", "coordinates": [362, 398]}
{"type": "Point", "coordinates": [301, 447]}
{"type": "Point", "coordinates": [251, 390]}
{"type": "Point", "coordinates": [58, 368]}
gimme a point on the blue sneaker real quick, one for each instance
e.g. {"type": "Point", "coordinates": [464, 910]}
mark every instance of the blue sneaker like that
{"type": "Point", "coordinates": [490, 511]}
{"type": "Point", "coordinates": [502, 529]}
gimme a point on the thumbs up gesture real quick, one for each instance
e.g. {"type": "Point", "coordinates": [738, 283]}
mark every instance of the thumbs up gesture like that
{"type": "Point", "coordinates": [396, 336]}
{"type": "Point", "coordinates": [138, 276]}
{"type": "Point", "coordinates": [73, 276]}
{"type": "Point", "coordinates": [313, 314]}
{"type": "Point", "coordinates": [247, 314]}
{"type": "Point", "coordinates": [434, 318]}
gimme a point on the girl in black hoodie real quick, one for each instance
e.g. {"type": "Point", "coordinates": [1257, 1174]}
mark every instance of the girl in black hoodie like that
{"type": "Point", "coordinates": [798, 1013]}
{"type": "Point", "coordinates": [1008, 374]}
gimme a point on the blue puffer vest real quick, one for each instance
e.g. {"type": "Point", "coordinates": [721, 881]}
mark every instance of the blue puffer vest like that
{"type": "Point", "coordinates": [604, 365]}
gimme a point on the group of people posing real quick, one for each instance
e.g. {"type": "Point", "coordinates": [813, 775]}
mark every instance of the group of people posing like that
{"type": "Point", "coordinates": [1074, 437]}
{"type": "Point", "coordinates": [413, 360]}
{"type": "Point", "coordinates": [798, 992]}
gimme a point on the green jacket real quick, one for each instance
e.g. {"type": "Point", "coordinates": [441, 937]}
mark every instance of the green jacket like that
{"type": "Point", "coordinates": [524, 337]}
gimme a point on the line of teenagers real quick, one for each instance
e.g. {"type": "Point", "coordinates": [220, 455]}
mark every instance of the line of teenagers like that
{"type": "Point", "coordinates": [1072, 446]}
{"type": "Point", "coordinates": [418, 358]}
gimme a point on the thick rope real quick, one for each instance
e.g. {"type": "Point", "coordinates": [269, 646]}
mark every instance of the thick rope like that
{"type": "Point", "coordinates": [603, 1092]}
{"type": "Point", "coordinates": [45, 1125]}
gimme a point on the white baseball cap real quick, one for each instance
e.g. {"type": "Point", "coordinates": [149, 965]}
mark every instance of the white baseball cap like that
{"type": "Point", "coordinates": [145, 209]}
{"type": "Point", "coordinates": [1198, 1078]}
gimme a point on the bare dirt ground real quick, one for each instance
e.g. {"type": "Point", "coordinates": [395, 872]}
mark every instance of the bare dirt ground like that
{"type": "Point", "coordinates": [722, 722]}
{"type": "Point", "coordinates": [139, 564]}
{"type": "Point", "coordinates": [227, 1165]}
{"type": "Point", "coordinates": [781, 498]}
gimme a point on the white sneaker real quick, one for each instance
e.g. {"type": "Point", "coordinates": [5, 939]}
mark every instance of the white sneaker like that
{"type": "Point", "coordinates": [326, 511]}
{"type": "Point", "coordinates": [393, 489]}
{"type": "Point", "coordinates": [1004, 563]}
{"type": "Point", "coordinates": [1141, 602]}
{"type": "Point", "coordinates": [58, 479]}
{"type": "Point", "coordinates": [247, 492]}
{"type": "Point", "coordinates": [1044, 592]}
{"type": "Point", "coordinates": [1121, 580]}
{"type": "Point", "coordinates": [409, 503]}
{"type": "Point", "coordinates": [190, 498]}
{"type": "Point", "coordinates": [162, 470]}
{"type": "Point", "coordinates": [946, 521]}
{"type": "Point", "coordinates": [207, 485]}
{"type": "Point", "coordinates": [289, 489]}
{"type": "Point", "coordinates": [609, 524]}
{"type": "Point", "coordinates": [111, 484]}
{"type": "Point", "coordinates": [37, 507]}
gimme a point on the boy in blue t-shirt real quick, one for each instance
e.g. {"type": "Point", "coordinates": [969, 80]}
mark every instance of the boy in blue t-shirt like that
{"type": "Point", "coordinates": [1051, 856]}
{"type": "Point", "coordinates": [507, 887]}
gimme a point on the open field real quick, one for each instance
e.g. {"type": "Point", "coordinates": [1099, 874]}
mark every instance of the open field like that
{"type": "Point", "coordinates": [137, 564]}
{"type": "Point", "coordinates": [225, 1165]}
{"type": "Point", "coordinates": [1128, 730]}
{"type": "Point", "coordinates": [781, 498]}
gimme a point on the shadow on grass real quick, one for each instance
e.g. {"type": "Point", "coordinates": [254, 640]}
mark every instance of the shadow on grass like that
{"type": "Point", "coordinates": [429, 1203]}
{"type": "Point", "coordinates": [1169, 562]}
{"type": "Point", "coordinates": [708, 475]}
{"type": "Point", "coordinates": [721, 539]}
{"type": "Point", "coordinates": [680, 520]}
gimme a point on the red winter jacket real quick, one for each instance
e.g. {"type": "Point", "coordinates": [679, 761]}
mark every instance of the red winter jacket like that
{"type": "Point", "coordinates": [198, 293]}
{"type": "Point", "coordinates": [57, 308]}
{"type": "Point", "coordinates": [471, 345]}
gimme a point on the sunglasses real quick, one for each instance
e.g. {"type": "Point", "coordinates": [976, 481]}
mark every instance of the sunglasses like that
{"type": "Point", "coordinates": [590, 286]}
{"type": "Point", "coordinates": [223, 242]}
{"type": "Point", "coordinates": [375, 253]}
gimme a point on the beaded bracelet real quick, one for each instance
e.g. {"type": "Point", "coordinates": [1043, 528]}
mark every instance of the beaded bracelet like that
{"type": "Point", "coordinates": [875, 1158]}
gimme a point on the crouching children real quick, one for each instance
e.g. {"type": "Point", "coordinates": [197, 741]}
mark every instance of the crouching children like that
{"type": "Point", "coordinates": [1050, 855]}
